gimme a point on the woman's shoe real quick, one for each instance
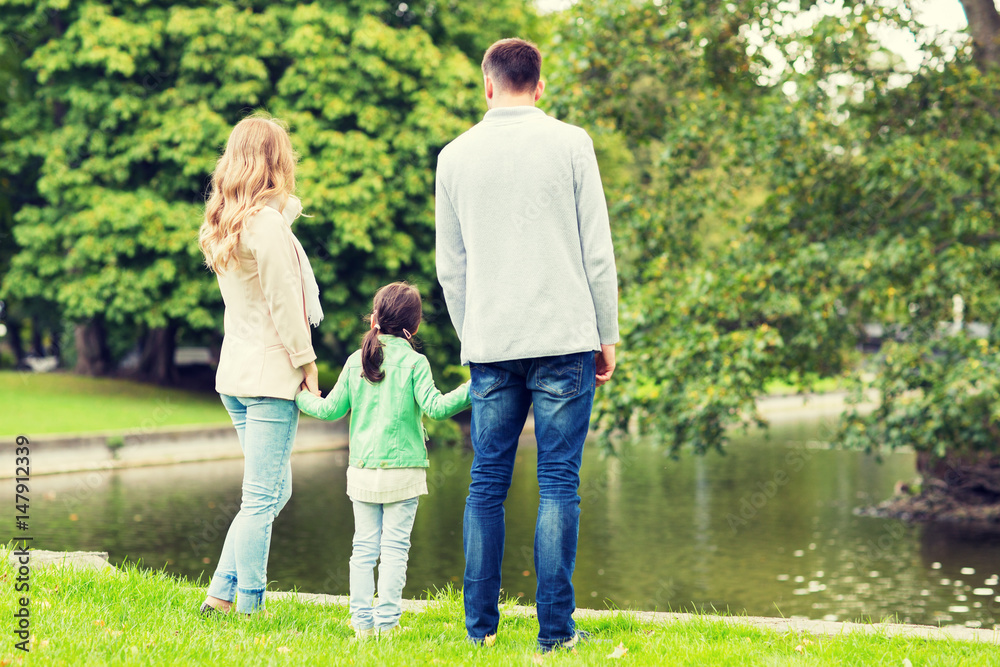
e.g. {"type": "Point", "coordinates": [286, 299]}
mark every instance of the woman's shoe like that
{"type": "Point", "coordinates": [209, 610]}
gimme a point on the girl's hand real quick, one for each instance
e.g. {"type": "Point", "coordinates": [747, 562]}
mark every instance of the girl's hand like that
{"type": "Point", "coordinates": [311, 381]}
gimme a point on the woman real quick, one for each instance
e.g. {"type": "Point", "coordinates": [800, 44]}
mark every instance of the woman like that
{"type": "Point", "coordinates": [271, 298]}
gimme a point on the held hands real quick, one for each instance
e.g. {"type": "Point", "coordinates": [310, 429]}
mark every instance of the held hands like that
{"type": "Point", "coordinates": [311, 381]}
{"type": "Point", "coordinates": [605, 363]}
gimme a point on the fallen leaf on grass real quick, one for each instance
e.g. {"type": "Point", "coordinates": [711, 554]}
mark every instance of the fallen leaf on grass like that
{"type": "Point", "coordinates": [284, 649]}
{"type": "Point", "coordinates": [618, 652]}
{"type": "Point", "coordinates": [98, 622]}
{"type": "Point", "coordinates": [538, 659]}
{"type": "Point", "coordinates": [490, 640]}
{"type": "Point", "coordinates": [800, 649]}
{"type": "Point", "coordinates": [907, 663]}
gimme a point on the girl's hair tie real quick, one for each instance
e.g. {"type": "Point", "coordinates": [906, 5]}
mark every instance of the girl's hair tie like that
{"type": "Point", "coordinates": [407, 334]}
{"type": "Point", "coordinates": [378, 326]}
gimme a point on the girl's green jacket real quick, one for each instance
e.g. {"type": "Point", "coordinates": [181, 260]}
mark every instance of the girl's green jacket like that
{"type": "Point", "coordinates": [386, 431]}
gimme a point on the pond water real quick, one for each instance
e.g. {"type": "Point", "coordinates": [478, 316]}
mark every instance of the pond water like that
{"type": "Point", "coordinates": [766, 529]}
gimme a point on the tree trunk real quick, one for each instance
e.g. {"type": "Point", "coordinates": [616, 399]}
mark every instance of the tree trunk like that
{"type": "Point", "coordinates": [92, 356]}
{"type": "Point", "coordinates": [55, 348]}
{"type": "Point", "coordinates": [984, 26]}
{"type": "Point", "coordinates": [37, 342]}
{"type": "Point", "coordinates": [14, 338]}
{"type": "Point", "coordinates": [972, 479]}
{"type": "Point", "coordinates": [157, 362]}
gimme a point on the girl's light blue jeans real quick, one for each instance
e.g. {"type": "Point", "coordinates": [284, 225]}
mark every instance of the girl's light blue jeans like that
{"type": "Point", "coordinates": [266, 429]}
{"type": "Point", "coordinates": [380, 529]}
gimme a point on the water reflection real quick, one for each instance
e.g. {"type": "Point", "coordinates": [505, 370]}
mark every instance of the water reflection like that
{"type": "Point", "coordinates": [766, 529]}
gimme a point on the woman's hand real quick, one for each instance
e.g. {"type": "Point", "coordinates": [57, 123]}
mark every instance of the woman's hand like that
{"type": "Point", "coordinates": [311, 378]}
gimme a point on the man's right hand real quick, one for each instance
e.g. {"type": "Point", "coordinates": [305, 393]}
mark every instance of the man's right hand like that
{"type": "Point", "coordinates": [605, 360]}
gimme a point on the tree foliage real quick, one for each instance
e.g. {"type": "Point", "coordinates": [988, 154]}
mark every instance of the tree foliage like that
{"type": "Point", "coordinates": [777, 179]}
{"type": "Point", "coordinates": [776, 204]}
{"type": "Point", "coordinates": [123, 108]}
{"type": "Point", "coordinates": [704, 322]}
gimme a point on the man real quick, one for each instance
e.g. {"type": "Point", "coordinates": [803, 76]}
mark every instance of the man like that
{"type": "Point", "coordinates": [525, 259]}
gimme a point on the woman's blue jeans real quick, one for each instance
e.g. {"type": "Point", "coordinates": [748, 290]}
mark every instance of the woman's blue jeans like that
{"type": "Point", "coordinates": [562, 392]}
{"type": "Point", "coordinates": [266, 429]}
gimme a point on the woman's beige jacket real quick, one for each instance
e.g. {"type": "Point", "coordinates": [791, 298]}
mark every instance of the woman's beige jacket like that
{"type": "Point", "coordinates": [267, 337]}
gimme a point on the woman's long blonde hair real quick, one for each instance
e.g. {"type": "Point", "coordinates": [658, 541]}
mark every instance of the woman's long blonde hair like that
{"type": "Point", "coordinates": [258, 164]}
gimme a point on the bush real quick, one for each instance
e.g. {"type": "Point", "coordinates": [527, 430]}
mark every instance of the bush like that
{"type": "Point", "coordinates": [940, 396]}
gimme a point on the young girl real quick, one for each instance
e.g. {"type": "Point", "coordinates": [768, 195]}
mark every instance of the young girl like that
{"type": "Point", "coordinates": [387, 386]}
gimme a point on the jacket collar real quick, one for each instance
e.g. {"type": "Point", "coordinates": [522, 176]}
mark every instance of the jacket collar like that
{"type": "Point", "coordinates": [292, 208]}
{"type": "Point", "coordinates": [389, 339]}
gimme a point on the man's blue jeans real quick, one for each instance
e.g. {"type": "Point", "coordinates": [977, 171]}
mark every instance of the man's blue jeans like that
{"type": "Point", "coordinates": [562, 392]}
{"type": "Point", "coordinates": [266, 428]}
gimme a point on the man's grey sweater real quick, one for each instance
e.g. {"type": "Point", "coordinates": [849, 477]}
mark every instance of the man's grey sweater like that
{"type": "Point", "coordinates": [524, 250]}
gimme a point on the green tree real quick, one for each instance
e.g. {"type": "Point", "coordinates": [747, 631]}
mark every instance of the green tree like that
{"type": "Point", "coordinates": [841, 188]}
{"type": "Point", "coordinates": [127, 106]}
{"type": "Point", "coordinates": [893, 176]}
{"type": "Point", "coordinates": [18, 188]}
{"type": "Point", "coordinates": [672, 97]}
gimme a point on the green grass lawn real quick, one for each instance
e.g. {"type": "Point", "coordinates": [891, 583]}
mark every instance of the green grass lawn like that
{"type": "Point", "coordinates": [794, 385]}
{"type": "Point", "coordinates": [35, 403]}
{"type": "Point", "coordinates": [138, 617]}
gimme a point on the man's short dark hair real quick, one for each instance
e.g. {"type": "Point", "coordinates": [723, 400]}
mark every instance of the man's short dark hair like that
{"type": "Point", "coordinates": [515, 65]}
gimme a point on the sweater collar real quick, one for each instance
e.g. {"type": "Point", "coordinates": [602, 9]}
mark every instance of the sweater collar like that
{"type": "Point", "coordinates": [512, 114]}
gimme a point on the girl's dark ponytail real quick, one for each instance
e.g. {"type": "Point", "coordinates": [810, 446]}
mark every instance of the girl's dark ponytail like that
{"type": "Point", "coordinates": [371, 357]}
{"type": "Point", "coordinates": [396, 311]}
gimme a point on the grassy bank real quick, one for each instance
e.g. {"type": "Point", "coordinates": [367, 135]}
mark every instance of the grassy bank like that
{"type": "Point", "coordinates": [793, 384]}
{"type": "Point", "coordinates": [36, 403]}
{"type": "Point", "coordinates": [139, 617]}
